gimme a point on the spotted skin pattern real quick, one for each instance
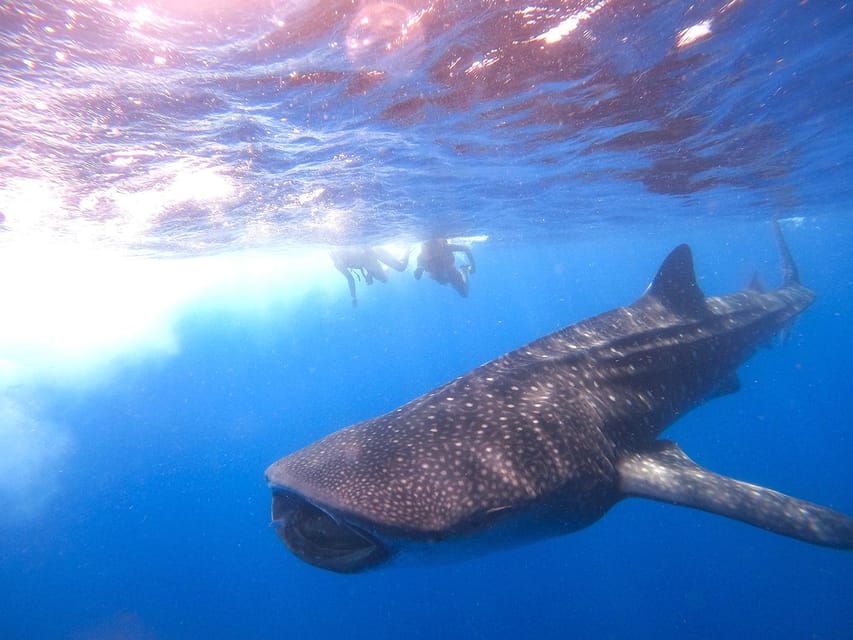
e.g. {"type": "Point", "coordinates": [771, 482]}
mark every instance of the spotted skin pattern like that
{"type": "Point", "coordinates": [563, 427]}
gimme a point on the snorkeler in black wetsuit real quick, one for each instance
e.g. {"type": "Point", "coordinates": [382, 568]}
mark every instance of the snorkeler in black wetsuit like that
{"type": "Point", "coordinates": [366, 263]}
{"type": "Point", "coordinates": [436, 258]}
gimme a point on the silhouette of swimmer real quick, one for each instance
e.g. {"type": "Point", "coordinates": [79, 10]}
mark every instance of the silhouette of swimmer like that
{"type": "Point", "coordinates": [437, 259]}
{"type": "Point", "coordinates": [366, 264]}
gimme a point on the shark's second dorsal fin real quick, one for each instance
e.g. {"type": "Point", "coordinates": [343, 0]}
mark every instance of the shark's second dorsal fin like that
{"type": "Point", "coordinates": [663, 472]}
{"type": "Point", "coordinates": [755, 284]}
{"type": "Point", "coordinates": [675, 284]}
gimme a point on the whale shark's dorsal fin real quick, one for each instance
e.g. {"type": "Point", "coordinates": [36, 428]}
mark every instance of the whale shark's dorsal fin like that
{"type": "Point", "coordinates": [755, 285]}
{"type": "Point", "coordinates": [663, 472]}
{"type": "Point", "coordinates": [675, 285]}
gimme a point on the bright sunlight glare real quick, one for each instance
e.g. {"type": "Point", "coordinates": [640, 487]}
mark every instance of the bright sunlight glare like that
{"type": "Point", "coordinates": [69, 309]}
{"type": "Point", "coordinates": [73, 316]}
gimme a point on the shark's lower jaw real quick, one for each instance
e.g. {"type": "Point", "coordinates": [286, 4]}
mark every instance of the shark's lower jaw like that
{"type": "Point", "coordinates": [319, 539]}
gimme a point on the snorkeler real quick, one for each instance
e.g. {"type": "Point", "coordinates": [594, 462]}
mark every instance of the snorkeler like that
{"type": "Point", "coordinates": [366, 263]}
{"type": "Point", "coordinates": [437, 259]}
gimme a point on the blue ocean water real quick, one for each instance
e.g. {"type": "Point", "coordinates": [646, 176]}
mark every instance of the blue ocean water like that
{"type": "Point", "coordinates": [173, 177]}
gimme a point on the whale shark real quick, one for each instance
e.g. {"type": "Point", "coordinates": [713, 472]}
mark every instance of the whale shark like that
{"type": "Point", "coordinates": [544, 440]}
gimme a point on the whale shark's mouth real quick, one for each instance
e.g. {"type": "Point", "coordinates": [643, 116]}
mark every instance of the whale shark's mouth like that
{"type": "Point", "coordinates": [322, 540]}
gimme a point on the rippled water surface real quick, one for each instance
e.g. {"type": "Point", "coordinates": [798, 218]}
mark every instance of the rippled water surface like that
{"type": "Point", "coordinates": [177, 126]}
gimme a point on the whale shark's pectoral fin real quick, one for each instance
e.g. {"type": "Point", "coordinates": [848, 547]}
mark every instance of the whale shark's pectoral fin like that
{"type": "Point", "coordinates": [665, 473]}
{"type": "Point", "coordinates": [728, 385]}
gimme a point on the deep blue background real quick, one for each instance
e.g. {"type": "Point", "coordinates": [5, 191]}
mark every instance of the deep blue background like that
{"type": "Point", "coordinates": [160, 527]}
{"type": "Point", "coordinates": [584, 162]}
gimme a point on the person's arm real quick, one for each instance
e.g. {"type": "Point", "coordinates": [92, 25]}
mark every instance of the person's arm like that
{"type": "Point", "coordinates": [390, 260]}
{"type": "Point", "coordinates": [467, 251]}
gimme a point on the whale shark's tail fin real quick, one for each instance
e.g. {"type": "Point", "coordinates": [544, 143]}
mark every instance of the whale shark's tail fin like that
{"type": "Point", "coordinates": [665, 473]}
{"type": "Point", "coordinates": [790, 273]}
